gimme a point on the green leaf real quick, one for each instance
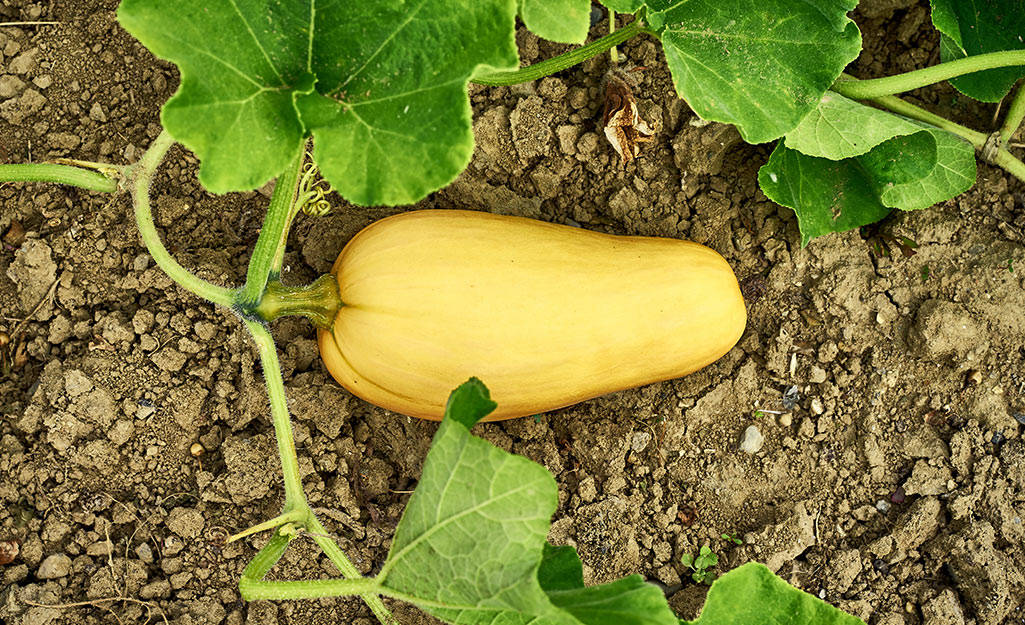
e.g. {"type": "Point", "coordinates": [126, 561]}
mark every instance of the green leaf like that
{"type": "Point", "coordinates": [952, 174]}
{"type": "Point", "coordinates": [835, 11]}
{"type": "Point", "coordinates": [759, 64]}
{"type": "Point", "coordinates": [978, 27]}
{"type": "Point", "coordinates": [469, 403]}
{"type": "Point", "coordinates": [828, 196]}
{"type": "Point", "coordinates": [381, 86]}
{"type": "Point", "coordinates": [841, 128]}
{"type": "Point", "coordinates": [470, 548]}
{"type": "Point", "coordinates": [752, 595]}
{"type": "Point", "coordinates": [565, 21]}
{"type": "Point", "coordinates": [902, 159]}
{"type": "Point", "coordinates": [944, 18]}
{"type": "Point", "coordinates": [623, 6]}
{"type": "Point", "coordinates": [560, 569]}
{"type": "Point", "coordinates": [628, 601]}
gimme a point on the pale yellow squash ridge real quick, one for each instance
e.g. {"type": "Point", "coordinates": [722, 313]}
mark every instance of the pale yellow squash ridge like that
{"type": "Point", "coordinates": [545, 315]}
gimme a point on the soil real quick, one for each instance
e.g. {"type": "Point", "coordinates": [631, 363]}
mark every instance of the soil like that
{"type": "Point", "coordinates": [888, 389]}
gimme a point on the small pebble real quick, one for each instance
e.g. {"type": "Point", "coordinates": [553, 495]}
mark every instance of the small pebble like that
{"type": "Point", "coordinates": [752, 440]}
{"type": "Point", "coordinates": [883, 506]}
{"type": "Point", "coordinates": [898, 495]}
{"type": "Point", "coordinates": [640, 441]}
{"type": "Point", "coordinates": [144, 552]}
{"type": "Point", "coordinates": [53, 567]}
{"type": "Point", "coordinates": [790, 397]}
{"type": "Point", "coordinates": [96, 113]}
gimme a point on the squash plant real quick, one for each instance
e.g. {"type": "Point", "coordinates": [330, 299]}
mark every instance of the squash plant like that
{"type": "Point", "coordinates": [381, 90]}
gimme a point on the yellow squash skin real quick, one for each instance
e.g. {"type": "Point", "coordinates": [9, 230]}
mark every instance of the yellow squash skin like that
{"type": "Point", "coordinates": [545, 315]}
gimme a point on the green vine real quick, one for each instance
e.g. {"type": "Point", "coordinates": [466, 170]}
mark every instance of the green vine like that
{"type": "Point", "coordinates": [563, 61]}
{"type": "Point", "coordinates": [1015, 115]}
{"type": "Point", "coordinates": [58, 174]}
{"type": "Point", "coordinates": [891, 85]}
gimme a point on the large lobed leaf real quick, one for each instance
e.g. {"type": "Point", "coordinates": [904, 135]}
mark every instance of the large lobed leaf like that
{"type": "Point", "coordinates": [971, 27]}
{"type": "Point", "coordinates": [837, 178]}
{"type": "Point", "coordinates": [761, 65]}
{"type": "Point", "coordinates": [381, 86]}
{"type": "Point", "coordinates": [471, 549]}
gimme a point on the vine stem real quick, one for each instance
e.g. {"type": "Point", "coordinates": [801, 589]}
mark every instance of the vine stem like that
{"type": "Point", "coordinates": [294, 496]}
{"type": "Point", "coordinates": [563, 61]}
{"type": "Point", "coordinates": [294, 516]}
{"type": "Point", "coordinates": [59, 174]}
{"type": "Point", "coordinates": [1015, 115]}
{"type": "Point", "coordinates": [273, 235]}
{"type": "Point", "coordinates": [141, 176]}
{"type": "Point", "coordinates": [307, 588]}
{"type": "Point", "coordinates": [876, 87]}
{"type": "Point", "coordinates": [270, 245]}
{"type": "Point", "coordinates": [1011, 164]}
{"type": "Point", "coordinates": [613, 53]}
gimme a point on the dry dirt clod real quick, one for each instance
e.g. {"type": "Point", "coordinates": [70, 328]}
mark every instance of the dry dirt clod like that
{"type": "Point", "coordinates": [623, 125]}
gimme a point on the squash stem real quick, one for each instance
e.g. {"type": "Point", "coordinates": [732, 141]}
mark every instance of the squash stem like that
{"type": "Point", "coordinates": [306, 589]}
{"type": "Point", "coordinates": [318, 301]}
{"type": "Point", "coordinates": [1001, 157]}
{"type": "Point", "coordinates": [613, 53]}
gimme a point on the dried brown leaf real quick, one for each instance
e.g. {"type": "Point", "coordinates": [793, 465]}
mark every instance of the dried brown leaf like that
{"type": "Point", "coordinates": [623, 125]}
{"type": "Point", "coordinates": [15, 235]}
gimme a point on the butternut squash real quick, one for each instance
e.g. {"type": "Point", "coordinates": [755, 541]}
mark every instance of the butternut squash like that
{"type": "Point", "coordinates": [546, 315]}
